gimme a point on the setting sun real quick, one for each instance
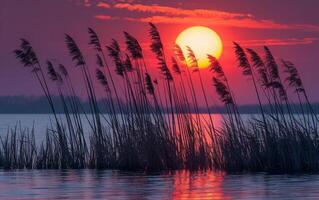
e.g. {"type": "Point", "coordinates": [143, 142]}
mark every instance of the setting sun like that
{"type": "Point", "coordinates": [202, 41]}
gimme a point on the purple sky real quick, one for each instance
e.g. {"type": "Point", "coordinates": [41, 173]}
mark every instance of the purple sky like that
{"type": "Point", "coordinates": [289, 27]}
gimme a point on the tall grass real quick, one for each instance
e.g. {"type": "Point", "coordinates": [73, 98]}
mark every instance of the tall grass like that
{"type": "Point", "coordinates": [159, 125]}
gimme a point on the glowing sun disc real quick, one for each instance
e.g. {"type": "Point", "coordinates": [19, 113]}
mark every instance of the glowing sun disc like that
{"type": "Point", "coordinates": [202, 41]}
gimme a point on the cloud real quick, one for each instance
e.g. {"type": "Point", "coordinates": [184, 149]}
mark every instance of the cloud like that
{"type": "Point", "coordinates": [103, 17]}
{"type": "Point", "coordinates": [87, 3]}
{"type": "Point", "coordinates": [179, 12]}
{"type": "Point", "coordinates": [171, 15]}
{"type": "Point", "coordinates": [239, 23]}
{"type": "Point", "coordinates": [103, 5]}
{"type": "Point", "coordinates": [276, 42]}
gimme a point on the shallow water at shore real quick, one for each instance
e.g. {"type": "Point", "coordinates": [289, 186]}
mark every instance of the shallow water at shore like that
{"type": "Point", "coordinates": [92, 184]}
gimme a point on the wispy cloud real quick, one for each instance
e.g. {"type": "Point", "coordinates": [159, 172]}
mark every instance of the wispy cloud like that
{"type": "Point", "coordinates": [103, 17]}
{"type": "Point", "coordinates": [103, 5]}
{"type": "Point", "coordinates": [173, 15]}
{"type": "Point", "coordinates": [276, 42]}
{"type": "Point", "coordinates": [178, 11]}
{"type": "Point", "coordinates": [239, 23]}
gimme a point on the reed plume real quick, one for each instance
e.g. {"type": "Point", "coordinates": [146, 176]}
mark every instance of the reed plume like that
{"type": "Point", "coordinates": [101, 77]}
{"type": "Point", "coordinates": [114, 52]}
{"type": "Point", "coordinates": [293, 77]}
{"type": "Point", "coordinates": [54, 76]}
{"type": "Point", "coordinates": [274, 78]}
{"type": "Point", "coordinates": [63, 70]}
{"type": "Point", "coordinates": [259, 64]}
{"type": "Point", "coordinates": [157, 48]}
{"type": "Point", "coordinates": [221, 84]}
{"type": "Point", "coordinates": [242, 59]}
{"type": "Point", "coordinates": [222, 91]}
{"type": "Point", "coordinates": [192, 58]}
{"type": "Point", "coordinates": [179, 53]}
{"type": "Point", "coordinates": [216, 67]}
{"type": "Point", "coordinates": [271, 65]}
{"type": "Point", "coordinates": [133, 46]}
{"type": "Point", "coordinates": [26, 54]}
{"type": "Point", "coordinates": [94, 40]}
{"type": "Point", "coordinates": [74, 50]}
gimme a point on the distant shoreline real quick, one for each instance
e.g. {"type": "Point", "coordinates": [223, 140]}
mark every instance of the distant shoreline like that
{"type": "Point", "coordinates": [38, 105]}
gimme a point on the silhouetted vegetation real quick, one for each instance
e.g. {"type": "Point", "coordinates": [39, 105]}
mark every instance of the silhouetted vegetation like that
{"type": "Point", "coordinates": [159, 126]}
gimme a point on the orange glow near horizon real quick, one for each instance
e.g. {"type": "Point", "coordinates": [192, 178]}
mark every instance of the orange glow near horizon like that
{"type": "Point", "coordinates": [202, 41]}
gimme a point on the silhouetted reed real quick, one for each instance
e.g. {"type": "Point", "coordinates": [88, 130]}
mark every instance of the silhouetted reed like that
{"type": "Point", "coordinates": [159, 126]}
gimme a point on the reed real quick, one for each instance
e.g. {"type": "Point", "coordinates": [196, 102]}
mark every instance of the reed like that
{"type": "Point", "coordinates": [153, 121]}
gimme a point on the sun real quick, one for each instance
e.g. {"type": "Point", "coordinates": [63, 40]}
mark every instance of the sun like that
{"type": "Point", "coordinates": [202, 41]}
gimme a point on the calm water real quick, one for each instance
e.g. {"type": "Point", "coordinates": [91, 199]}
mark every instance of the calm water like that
{"type": "Point", "coordinates": [92, 184]}
{"type": "Point", "coordinates": [41, 122]}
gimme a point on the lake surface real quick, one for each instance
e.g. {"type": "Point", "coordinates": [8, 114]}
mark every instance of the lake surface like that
{"type": "Point", "coordinates": [110, 184]}
{"type": "Point", "coordinates": [92, 184]}
{"type": "Point", "coordinates": [42, 122]}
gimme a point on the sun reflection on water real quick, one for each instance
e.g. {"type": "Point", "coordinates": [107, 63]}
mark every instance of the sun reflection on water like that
{"type": "Point", "coordinates": [200, 185]}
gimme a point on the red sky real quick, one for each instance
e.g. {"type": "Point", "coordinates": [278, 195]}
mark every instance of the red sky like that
{"type": "Point", "coordinates": [289, 27]}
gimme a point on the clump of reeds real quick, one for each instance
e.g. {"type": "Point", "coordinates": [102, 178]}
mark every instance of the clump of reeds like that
{"type": "Point", "coordinates": [153, 121]}
{"type": "Point", "coordinates": [280, 142]}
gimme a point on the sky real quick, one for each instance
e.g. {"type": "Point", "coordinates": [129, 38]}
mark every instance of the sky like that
{"type": "Point", "coordinates": [289, 27]}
